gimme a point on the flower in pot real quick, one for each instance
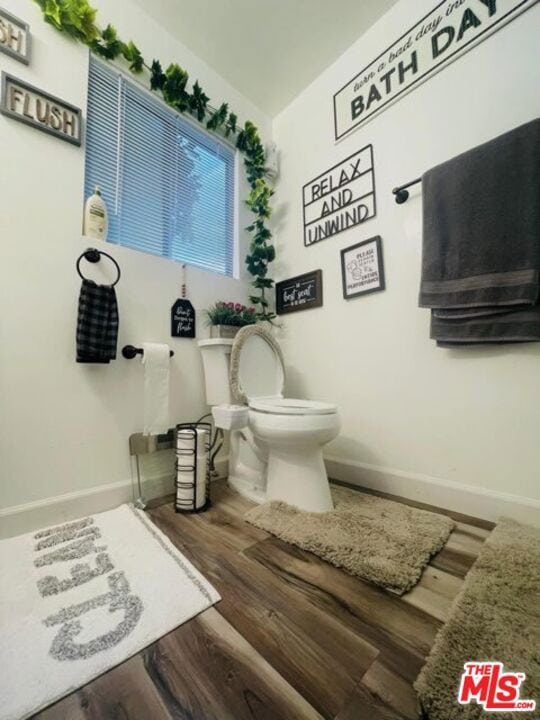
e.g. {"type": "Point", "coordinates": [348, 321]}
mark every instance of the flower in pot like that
{"type": "Point", "coordinates": [226, 318]}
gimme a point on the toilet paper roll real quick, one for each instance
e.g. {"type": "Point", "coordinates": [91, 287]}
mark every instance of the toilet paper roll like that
{"type": "Point", "coordinates": [185, 446]}
{"type": "Point", "coordinates": [156, 362]}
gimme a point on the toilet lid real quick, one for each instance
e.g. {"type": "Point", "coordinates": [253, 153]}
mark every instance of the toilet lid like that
{"type": "Point", "coordinates": [291, 406]}
{"type": "Point", "coordinates": [256, 365]}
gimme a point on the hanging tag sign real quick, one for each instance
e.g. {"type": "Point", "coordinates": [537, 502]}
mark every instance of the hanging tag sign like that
{"type": "Point", "coordinates": [183, 319]}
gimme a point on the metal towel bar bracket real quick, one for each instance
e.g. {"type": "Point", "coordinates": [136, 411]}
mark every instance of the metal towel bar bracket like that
{"type": "Point", "coordinates": [401, 193]}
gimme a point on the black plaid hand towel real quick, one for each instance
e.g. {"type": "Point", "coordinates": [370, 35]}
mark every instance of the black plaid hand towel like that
{"type": "Point", "coordinates": [97, 323]}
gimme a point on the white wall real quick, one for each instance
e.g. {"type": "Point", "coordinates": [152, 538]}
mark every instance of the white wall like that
{"type": "Point", "coordinates": [432, 418]}
{"type": "Point", "coordinates": [64, 427]}
{"type": "Point", "coordinates": [428, 417]}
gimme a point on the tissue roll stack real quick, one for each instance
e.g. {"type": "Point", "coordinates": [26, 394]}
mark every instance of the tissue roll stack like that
{"type": "Point", "coordinates": [156, 361]}
{"type": "Point", "coordinates": [191, 469]}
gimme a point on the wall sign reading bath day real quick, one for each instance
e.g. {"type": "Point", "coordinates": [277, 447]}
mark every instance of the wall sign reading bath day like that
{"type": "Point", "coordinates": [339, 198]}
{"type": "Point", "coordinates": [449, 30]}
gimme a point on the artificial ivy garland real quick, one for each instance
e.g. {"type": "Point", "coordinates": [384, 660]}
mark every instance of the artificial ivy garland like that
{"type": "Point", "coordinates": [76, 18]}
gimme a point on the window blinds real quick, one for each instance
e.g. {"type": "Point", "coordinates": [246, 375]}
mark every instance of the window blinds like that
{"type": "Point", "coordinates": [169, 187]}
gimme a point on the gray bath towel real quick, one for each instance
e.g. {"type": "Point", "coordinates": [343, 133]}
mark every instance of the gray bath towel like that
{"type": "Point", "coordinates": [464, 313]}
{"type": "Point", "coordinates": [481, 251]}
{"type": "Point", "coordinates": [482, 225]}
{"type": "Point", "coordinates": [514, 326]}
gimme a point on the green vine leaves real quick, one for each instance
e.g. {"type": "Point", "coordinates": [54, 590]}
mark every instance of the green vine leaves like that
{"type": "Point", "coordinates": [74, 17]}
{"type": "Point", "coordinates": [77, 19]}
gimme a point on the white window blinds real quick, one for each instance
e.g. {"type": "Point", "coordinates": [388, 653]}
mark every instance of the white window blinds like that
{"type": "Point", "coordinates": [169, 187]}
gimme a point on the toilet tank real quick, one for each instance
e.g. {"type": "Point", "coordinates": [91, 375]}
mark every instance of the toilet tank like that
{"type": "Point", "coordinates": [216, 356]}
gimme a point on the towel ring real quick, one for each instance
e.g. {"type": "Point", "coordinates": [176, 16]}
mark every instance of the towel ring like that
{"type": "Point", "coordinates": [93, 256]}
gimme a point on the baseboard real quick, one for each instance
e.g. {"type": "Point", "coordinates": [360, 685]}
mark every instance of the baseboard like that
{"type": "Point", "coordinates": [19, 519]}
{"type": "Point", "coordinates": [461, 498]}
{"type": "Point", "coordinates": [467, 499]}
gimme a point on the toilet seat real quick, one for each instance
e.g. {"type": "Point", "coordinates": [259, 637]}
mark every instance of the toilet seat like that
{"type": "Point", "coordinates": [257, 365]}
{"type": "Point", "coordinates": [257, 376]}
{"type": "Point", "coordinates": [291, 406]}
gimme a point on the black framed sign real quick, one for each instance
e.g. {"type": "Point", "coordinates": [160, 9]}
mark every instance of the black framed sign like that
{"type": "Point", "coordinates": [339, 198]}
{"type": "Point", "coordinates": [299, 293]}
{"type": "Point", "coordinates": [37, 108]}
{"type": "Point", "coordinates": [183, 319]}
{"type": "Point", "coordinates": [452, 28]}
{"type": "Point", "coordinates": [362, 268]}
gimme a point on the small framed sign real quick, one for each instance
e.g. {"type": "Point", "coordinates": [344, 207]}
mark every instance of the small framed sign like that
{"type": "Point", "coordinates": [14, 37]}
{"type": "Point", "coordinates": [183, 319]}
{"type": "Point", "coordinates": [299, 293]}
{"type": "Point", "coordinates": [362, 268]}
{"type": "Point", "coordinates": [37, 108]}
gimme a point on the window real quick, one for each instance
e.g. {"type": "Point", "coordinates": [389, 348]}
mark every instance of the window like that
{"type": "Point", "coordinates": [169, 186]}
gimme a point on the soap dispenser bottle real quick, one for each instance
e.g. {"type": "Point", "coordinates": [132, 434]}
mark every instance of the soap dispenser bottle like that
{"type": "Point", "coordinates": [95, 216]}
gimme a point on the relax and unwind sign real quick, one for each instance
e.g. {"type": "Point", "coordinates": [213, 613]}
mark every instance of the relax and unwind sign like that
{"type": "Point", "coordinates": [340, 198]}
{"type": "Point", "coordinates": [450, 29]}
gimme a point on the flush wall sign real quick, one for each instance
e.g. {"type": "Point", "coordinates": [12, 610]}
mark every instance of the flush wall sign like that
{"type": "Point", "coordinates": [340, 198]}
{"type": "Point", "coordinates": [14, 37]}
{"type": "Point", "coordinates": [299, 293]}
{"type": "Point", "coordinates": [441, 36]}
{"type": "Point", "coordinates": [40, 110]}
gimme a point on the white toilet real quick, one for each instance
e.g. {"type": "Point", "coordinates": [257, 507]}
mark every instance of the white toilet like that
{"type": "Point", "coordinates": [275, 442]}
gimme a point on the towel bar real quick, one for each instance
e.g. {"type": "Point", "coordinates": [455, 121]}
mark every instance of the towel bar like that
{"type": "Point", "coordinates": [401, 193]}
{"type": "Point", "coordinates": [129, 352]}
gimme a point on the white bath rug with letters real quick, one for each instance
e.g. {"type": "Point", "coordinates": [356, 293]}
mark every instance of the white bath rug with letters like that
{"type": "Point", "coordinates": [79, 598]}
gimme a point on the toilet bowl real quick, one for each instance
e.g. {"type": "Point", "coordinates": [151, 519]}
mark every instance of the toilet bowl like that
{"type": "Point", "coordinates": [294, 432]}
{"type": "Point", "coordinates": [283, 437]}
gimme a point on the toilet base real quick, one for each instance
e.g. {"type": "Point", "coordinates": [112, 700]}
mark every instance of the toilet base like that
{"type": "Point", "coordinates": [247, 488]}
{"type": "Point", "coordinates": [297, 475]}
{"type": "Point", "coordinates": [247, 471]}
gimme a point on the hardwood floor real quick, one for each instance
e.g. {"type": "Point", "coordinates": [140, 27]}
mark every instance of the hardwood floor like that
{"type": "Point", "coordinates": [293, 638]}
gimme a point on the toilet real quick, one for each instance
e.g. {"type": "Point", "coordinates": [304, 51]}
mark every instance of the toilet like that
{"type": "Point", "coordinates": [275, 442]}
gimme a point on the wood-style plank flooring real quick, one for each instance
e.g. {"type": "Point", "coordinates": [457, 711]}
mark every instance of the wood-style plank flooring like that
{"type": "Point", "coordinates": [293, 638]}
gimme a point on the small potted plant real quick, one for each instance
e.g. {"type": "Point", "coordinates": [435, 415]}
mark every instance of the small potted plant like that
{"type": "Point", "coordinates": [226, 318]}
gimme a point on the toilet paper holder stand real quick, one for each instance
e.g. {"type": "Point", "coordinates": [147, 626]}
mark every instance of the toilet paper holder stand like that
{"type": "Point", "coordinates": [141, 444]}
{"type": "Point", "coordinates": [188, 480]}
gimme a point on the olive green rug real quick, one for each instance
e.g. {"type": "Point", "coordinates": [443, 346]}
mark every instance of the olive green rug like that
{"type": "Point", "coordinates": [379, 540]}
{"type": "Point", "coordinates": [496, 617]}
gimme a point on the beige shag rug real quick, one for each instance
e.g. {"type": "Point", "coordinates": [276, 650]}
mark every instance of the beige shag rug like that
{"type": "Point", "coordinates": [379, 540]}
{"type": "Point", "coordinates": [495, 617]}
